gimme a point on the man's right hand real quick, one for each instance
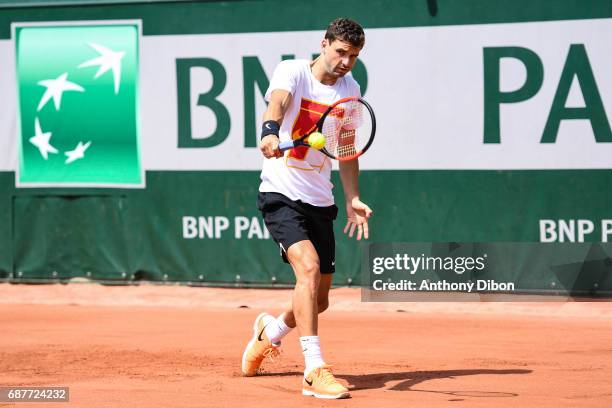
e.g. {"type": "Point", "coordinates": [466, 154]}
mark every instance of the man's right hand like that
{"type": "Point", "coordinates": [269, 147]}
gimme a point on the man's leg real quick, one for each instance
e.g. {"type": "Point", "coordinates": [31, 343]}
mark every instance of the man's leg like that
{"type": "Point", "coordinates": [304, 259]}
{"type": "Point", "coordinates": [305, 262]}
{"type": "Point", "coordinates": [322, 299]}
{"type": "Point", "coordinates": [283, 324]}
{"type": "Point", "coordinates": [318, 378]}
{"type": "Point", "coordinates": [326, 245]}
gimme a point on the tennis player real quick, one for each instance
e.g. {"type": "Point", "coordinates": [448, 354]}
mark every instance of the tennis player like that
{"type": "Point", "coordinates": [295, 198]}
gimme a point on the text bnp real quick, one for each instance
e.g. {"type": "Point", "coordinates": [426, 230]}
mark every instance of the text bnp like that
{"type": "Point", "coordinates": [217, 227]}
{"type": "Point", "coordinates": [255, 82]}
{"type": "Point", "coordinates": [575, 230]}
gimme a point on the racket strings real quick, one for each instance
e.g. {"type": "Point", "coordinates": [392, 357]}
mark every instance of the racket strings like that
{"type": "Point", "coordinates": [346, 129]}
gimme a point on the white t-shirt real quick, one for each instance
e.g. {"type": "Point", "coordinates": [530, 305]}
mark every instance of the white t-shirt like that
{"type": "Point", "coordinates": [303, 173]}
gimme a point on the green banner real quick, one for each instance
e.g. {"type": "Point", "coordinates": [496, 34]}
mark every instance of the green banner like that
{"type": "Point", "coordinates": [203, 227]}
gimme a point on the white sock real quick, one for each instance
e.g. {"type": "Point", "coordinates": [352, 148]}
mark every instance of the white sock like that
{"type": "Point", "coordinates": [277, 329]}
{"type": "Point", "coordinates": [312, 353]}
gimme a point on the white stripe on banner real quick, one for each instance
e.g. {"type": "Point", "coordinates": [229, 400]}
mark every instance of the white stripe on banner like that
{"type": "Point", "coordinates": [426, 85]}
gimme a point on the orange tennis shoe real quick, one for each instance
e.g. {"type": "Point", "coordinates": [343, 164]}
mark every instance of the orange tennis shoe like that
{"type": "Point", "coordinates": [321, 383]}
{"type": "Point", "coordinates": [259, 348]}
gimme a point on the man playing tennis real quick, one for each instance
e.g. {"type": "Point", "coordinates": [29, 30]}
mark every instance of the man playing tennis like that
{"type": "Point", "coordinates": [295, 198]}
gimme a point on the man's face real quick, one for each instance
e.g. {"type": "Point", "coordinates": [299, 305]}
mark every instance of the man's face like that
{"type": "Point", "coordinates": [339, 57]}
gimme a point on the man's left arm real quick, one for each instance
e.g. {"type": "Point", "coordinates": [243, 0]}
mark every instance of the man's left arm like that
{"type": "Point", "coordinates": [356, 211]}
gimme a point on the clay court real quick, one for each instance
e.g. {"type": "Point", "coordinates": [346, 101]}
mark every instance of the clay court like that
{"type": "Point", "coordinates": [176, 346]}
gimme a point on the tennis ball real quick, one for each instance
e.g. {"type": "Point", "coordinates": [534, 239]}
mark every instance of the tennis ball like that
{"type": "Point", "coordinates": [316, 140]}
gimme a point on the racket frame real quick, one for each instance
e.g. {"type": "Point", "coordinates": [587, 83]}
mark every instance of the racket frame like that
{"type": "Point", "coordinates": [319, 126]}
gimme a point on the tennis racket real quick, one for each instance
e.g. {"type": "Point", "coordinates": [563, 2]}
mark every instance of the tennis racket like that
{"type": "Point", "coordinates": [349, 126]}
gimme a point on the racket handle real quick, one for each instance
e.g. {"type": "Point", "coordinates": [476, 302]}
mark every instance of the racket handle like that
{"type": "Point", "coordinates": [289, 144]}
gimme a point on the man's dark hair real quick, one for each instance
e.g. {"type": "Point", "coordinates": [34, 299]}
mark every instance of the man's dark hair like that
{"type": "Point", "coordinates": [346, 30]}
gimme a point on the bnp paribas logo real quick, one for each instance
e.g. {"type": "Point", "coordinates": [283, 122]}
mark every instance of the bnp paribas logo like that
{"type": "Point", "coordinates": [78, 104]}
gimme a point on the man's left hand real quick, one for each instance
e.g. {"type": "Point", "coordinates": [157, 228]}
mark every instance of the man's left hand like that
{"type": "Point", "coordinates": [358, 214]}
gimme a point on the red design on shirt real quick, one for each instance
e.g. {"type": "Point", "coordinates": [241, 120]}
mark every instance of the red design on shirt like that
{"type": "Point", "coordinates": [305, 122]}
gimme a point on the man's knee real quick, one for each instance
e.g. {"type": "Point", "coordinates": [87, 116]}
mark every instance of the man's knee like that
{"type": "Point", "coordinates": [311, 268]}
{"type": "Point", "coordinates": [309, 275]}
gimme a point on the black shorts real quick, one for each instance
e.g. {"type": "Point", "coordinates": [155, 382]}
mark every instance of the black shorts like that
{"type": "Point", "coordinates": [292, 221]}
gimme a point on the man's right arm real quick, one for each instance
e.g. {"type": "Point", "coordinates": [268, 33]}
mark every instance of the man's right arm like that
{"type": "Point", "coordinates": [279, 102]}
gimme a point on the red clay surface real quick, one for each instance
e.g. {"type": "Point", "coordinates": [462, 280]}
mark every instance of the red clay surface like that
{"type": "Point", "coordinates": [169, 346]}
